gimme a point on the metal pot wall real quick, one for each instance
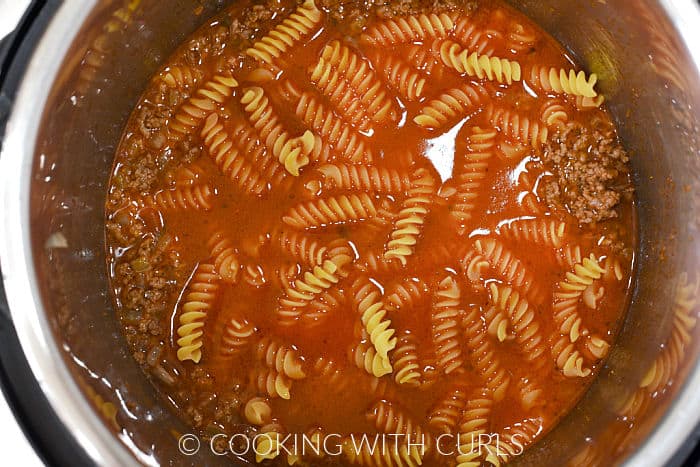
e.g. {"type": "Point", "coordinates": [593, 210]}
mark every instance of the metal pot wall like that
{"type": "Point", "coordinates": [84, 75]}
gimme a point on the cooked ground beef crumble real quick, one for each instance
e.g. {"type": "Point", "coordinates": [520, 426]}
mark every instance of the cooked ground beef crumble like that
{"type": "Point", "coordinates": [590, 173]}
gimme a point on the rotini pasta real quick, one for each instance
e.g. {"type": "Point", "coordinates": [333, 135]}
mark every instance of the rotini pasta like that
{"type": "Point", "coordinates": [454, 103]}
{"type": "Point", "coordinates": [403, 295]}
{"type": "Point", "coordinates": [340, 209]}
{"type": "Point", "coordinates": [446, 318]}
{"type": "Point", "coordinates": [408, 29]}
{"type": "Point", "coordinates": [474, 39]}
{"type": "Point", "coordinates": [365, 357]}
{"type": "Point", "coordinates": [342, 137]}
{"type": "Point", "coordinates": [470, 173]}
{"type": "Point", "coordinates": [258, 411]}
{"type": "Point", "coordinates": [405, 361]}
{"type": "Point", "coordinates": [554, 115]}
{"type": "Point", "coordinates": [196, 197]}
{"type": "Point", "coordinates": [475, 422]}
{"type": "Point", "coordinates": [563, 82]}
{"type": "Point", "coordinates": [238, 335]}
{"type": "Point", "coordinates": [301, 23]}
{"type": "Point", "coordinates": [398, 75]}
{"type": "Point", "coordinates": [358, 177]}
{"type": "Point", "coordinates": [447, 413]}
{"type": "Point", "coordinates": [199, 300]}
{"type": "Point", "coordinates": [272, 383]}
{"type": "Point", "coordinates": [229, 159]}
{"type": "Point", "coordinates": [225, 257]}
{"type": "Point", "coordinates": [181, 77]}
{"type": "Point", "coordinates": [518, 127]}
{"type": "Point", "coordinates": [411, 217]}
{"type": "Point", "coordinates": [520, 38]}
{"type": "Point", "coordinates": [206, 100]}
{"type": "Point", "coordinates": [284, 359]}
{"type": "Point", "coordinates": [542, 232]}
{"type": "Point", "coordinates": [497, 69]}
{"type": "Point", "coordinates": [373, 317]}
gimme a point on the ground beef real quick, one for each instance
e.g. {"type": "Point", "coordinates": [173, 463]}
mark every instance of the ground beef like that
{"type": "Point", "coordinates": [590, 172]}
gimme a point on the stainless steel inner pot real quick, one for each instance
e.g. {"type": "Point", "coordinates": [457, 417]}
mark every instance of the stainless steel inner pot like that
{"type": "Point", "coordinates": [86, 75]}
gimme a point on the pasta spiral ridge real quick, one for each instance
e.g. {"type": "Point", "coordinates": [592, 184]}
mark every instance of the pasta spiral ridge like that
{"type": "Point", "coordinates": [446, 318]}
{"type": "Point", "coordinates": [340, 93]}
{"type": "Point", "coordinates": [447, 412]}
{"type": "Point", "coordinates": [520, 38]}
{"type": "Point", "coordinates": [405, 361]}
{"type": "Point", "coordinates": [389, 418]}
{"type": "Point", "coordinates": [542, 232]}
{"type": "Point", "coordinates": [225, 257]}
{"type": "Point", "coordinates": [470, 172]}
{"type": "Point", "coordinates": [202, 292]}
{"type": "Point", "coordinates": [456, 102]}
{"type": "Point", "coordinates": [344, 139]}
{"type": "Point", "coordinates": [513, 439]}
{"type": "Point", "coordinates": [238, 334]}
{"type": "Point", "coordinates": [518, 127]}
{"type": "Point", "coordinates": [362, 78]}
{"type": "Point", "coordinates": [248, 144]}
{"type": "Point", "coordinates": [196, 197]}
{"type": "Point", "coordinates": [293, 153]}
{"type": "Point", "coordinates": [562, 82]}
{"type": "Point", "coordinates": [397, 74]}
{"type": "Point", "coordinates": [510, 268]}
{"type": "Point", "coordinates": [411, 217]}
{"type": "Point", "coordinates": [272, 383]}
{"type": "Point", "coordinates": [283, 359]}
{"type": "Point", "coordinates": [301, 247]}
{"type": "Point", "coordinates": [181, 77]}
{"type": "Point", "coordinates": [475, 421]}
{"type": "Point", "coordinates": [409, 29]}
{"type": "Point", "coordinates": [365, 357]}
{"type": "Point", "coordinates": [474, 39]}
{"type": "Point", "coordinates": [206, 100]}
{"type": "Point", "coordinates": [404, 294]}
{"type": "Point", "coordinates": [258, 411]}
{"type": "Point", "coordinates": [372, 313]}
{"type": "Point", "coordinates": [497, 69]}
{"type": "Point", "coordinates": [554, 115]}
{"type": "Point", "coordinates": [371, 178]}
{"type": "Point", "coordinates": [340, 209]}
{"type": "Point", "coordinates": [523, 320]}
{"type": "Point", "coordinates": [283, 36]}
{"type": "Point", "coordinates": [483, 356]}
{"type": "Point", "coordinates": [229, 159]}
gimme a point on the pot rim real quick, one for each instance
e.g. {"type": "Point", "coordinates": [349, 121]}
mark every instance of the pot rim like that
{"type": "Point", "coordinates": [19, 276]}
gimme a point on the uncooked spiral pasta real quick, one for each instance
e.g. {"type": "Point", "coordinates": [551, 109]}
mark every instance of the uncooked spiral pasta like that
{"type": "Point", "coordinates": [373, 317]}
{"type": "Point", "coordinates": [301, 247]}
{"type": "Point", "coordinates": [201, 295]}
{"type": "Point", "coordinates": [544, 232]}
{"type": "Point", "coordinates": [196, 197]}
{"type": "Point", "coordinates": [473, 38]}
{"type": "Point", "coordinates": [554, 114]}
{"type": "Point", "coordinates": [362, 78]}
{"type": "Point", "coordinates": [272, 383]}
{"type": "Point", "coordinates": [409, 29]}
{"type": "Point", "coordinates": [524, 322]}
{"type": "Point", "coordinates": [405, 362]}
{"type": "Point", "coordinates": [258, 411]}
{"type": "Point", "coordinates": [293, 153]}
{"type": "Point", "coordinates": [280, 357]}
{"type": "Point", "coordinates": [353, 177]}
{"type": "Point", "coordinates": [470, 172]}
{"type": "Point", "coordinates": [559, 80]}
{"type": "Point", "coordinates": [248, 144]}
{"type": "Point", "coordinates": [411, 217]}
{"type": "Point", "coordinates": [207, 99]}
{"type": "Point", "coordinates": [365, 357]}
{"type": "Point", "coordinates": [454, 103]}
{"type": "Point", "coordinates": [229, 158]}
{"type": "Point", "coordinates": [446, 318]}
{"type": "Point", "coordinates": [475, 422]}
{"type": "Point", "coordinates": [340, 93]}
{"type": "Point", "coordinates": [398, 75]}
{"type": "Point", "coordinates": [344, 139]}
{"type": "Point", "coordinates": [181, 77]}
{"type": "Point", "coordinates": [497, 69]}
{"type": "Point", "coordinates": [426, 58]}
{"type": "Point", "coordinates": [332, 210]}
{"type": "Point", "coordinates": [446, 414]}
{"type": "Point", "coordinates": [482, 354]}
{"type": "Point", "coordinates": [290, 31]}
{"type": "Point", "coordinates": [518, 127]}
{"type": "Point", "coordinates": [238, 335]}
{"type": "Point", "coordinates": [510, 268]}
{"type": "Point", "coordinates": [225, 257]}
{"type": "Point", "coordinates": [405, 294]}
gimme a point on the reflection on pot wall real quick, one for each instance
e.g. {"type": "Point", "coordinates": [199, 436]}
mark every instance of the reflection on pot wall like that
{"type": "Point", "coordinates": [649, 84]}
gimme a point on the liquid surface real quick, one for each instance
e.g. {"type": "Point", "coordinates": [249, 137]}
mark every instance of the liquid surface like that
{"type": "Point", "coordinates": [356, 231]}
